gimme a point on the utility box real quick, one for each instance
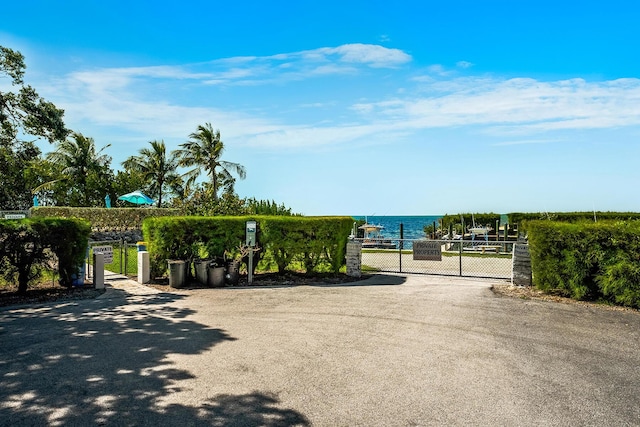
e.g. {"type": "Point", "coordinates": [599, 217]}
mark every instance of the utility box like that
{"type": "Point", "coordinates": [251, 231]}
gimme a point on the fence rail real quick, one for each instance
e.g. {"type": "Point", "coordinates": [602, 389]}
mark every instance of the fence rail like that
{"type": "Point", "coordinates": [469, 258]}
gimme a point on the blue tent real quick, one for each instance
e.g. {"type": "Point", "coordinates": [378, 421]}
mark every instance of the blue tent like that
{"type": "Point", "coordinates": [136, 197]}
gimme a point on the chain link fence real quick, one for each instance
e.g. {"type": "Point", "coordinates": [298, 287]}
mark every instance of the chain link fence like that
{"type": "Point", "coordinates": [125, 258]}
{"type": "Point", "coordinates": [469, 258]}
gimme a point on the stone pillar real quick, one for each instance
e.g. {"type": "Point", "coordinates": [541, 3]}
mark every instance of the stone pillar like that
{"type": "Point", "coordinates": [144, 268]}
{"type": "Point", "coordinates": [98, 270]}
{"type": "Point", "coordinates": [354, 258]}
{"type": "Point", "coordinates": [521, 267]}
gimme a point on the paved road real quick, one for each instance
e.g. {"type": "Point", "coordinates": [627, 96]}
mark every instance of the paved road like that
{"type": "Point", "coordinates": [393, 350]}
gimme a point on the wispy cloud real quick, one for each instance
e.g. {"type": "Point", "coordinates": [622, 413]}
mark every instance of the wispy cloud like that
{"type": "Point", "coordinates": [527, 105]}
{"type": "Point", "coordinates": [148, 101]}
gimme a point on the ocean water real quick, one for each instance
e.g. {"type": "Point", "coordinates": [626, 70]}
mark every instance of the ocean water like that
{"type": "Point", "coordinates": [413, 225]}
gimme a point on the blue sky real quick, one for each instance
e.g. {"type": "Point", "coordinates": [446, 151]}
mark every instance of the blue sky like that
{"type": "Point", "coordinates": [360, 108]}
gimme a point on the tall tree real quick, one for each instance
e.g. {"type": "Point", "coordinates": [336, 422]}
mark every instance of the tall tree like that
{"type": "Point", "coordinates": [156, 169]}
{"type": "Point", "coordinates": [22, 113]}
{"type": "Point", "coordinates": [83, 170]}
{"type": "Point", "coordinates": [25, 111]}
{"type": "Point", "coordinates": [204, 151]}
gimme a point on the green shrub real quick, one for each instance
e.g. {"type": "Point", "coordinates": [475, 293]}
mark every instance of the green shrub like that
{"type": "Point", "coordinates": [518, 217]}
{"type": "Point", "coordinates": [315, 242]}
{"type": "Point", "coordinates": [24, 244]}
{"type": "Point", "coordinates": [587, 260]}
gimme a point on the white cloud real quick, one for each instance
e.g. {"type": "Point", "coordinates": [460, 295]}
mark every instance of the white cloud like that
{"type": "Point", "coordinates": [531, 105]}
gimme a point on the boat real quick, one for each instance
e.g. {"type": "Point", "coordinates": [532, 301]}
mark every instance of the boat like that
{"type": "Point", "coordinates": [373, 238]}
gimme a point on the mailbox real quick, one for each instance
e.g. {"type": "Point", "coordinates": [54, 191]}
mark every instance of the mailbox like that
{"type": "Point", "coordinates": [251, 227]}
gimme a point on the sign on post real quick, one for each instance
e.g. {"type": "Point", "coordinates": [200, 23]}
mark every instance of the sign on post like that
{"type": "Point", "coordinates": [427, 250]}
{"type": "Point", "coordinates": [107, 251]}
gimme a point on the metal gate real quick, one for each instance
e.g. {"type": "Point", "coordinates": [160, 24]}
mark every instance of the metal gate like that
{"type": "Point", "coordinates": [469, 258]}
{"type": "Point", "coordinates": [125, 259]}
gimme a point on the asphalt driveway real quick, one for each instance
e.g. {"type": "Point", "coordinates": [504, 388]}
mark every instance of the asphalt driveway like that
{"type": "Point", "coordinates": [393, 350]}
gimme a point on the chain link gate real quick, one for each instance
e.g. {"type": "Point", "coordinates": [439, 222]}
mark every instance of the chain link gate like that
{"type": "Point", "coordinates": [468, 258]}
{"type": "Point", "coordinates": [125, 258]}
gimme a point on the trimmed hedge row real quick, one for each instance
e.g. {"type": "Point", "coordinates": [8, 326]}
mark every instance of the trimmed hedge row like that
{"type": "Point", "coordinates": [24, 244]}
{"type": "Point", "coordinates": [587, 260]}
{"type": "Point", "coordinates": [103, 219]}
{"type": "Point", "coordinates": [517, 217]}
{"type": "Point", "coordinates": [313, 241]}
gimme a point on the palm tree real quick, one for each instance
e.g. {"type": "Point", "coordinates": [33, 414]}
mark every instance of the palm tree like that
{"type": "Point", "coordinates": [203, 151]}
{"type": "Point", "coordinates": [156, 169]}
{"type": "Point", "coordinates": [78, 159]}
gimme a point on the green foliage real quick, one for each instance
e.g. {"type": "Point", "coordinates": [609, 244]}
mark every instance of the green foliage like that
{"type": "Point", "coordinates": [267, 207]}
{"type": "Point", "coordinates": [82, 171]}
{"type": "Point", "coordinates": [519, 218]}
{"type": "Point", "coordinates": [315, 242]}
{"type": "Point", "coordinates": [24, 111]}
{"type": "Point", "coordinates": [114, 219]}
{"type": "Point", "coordinates": [481, 219]}
{"type": "Point", "coordinates": [203, 151]}
{"type": "Point", "coordinates": [24, 245]}
{"type": "Point", "coordinates": [587, 260]}
{"type": "Point", "coordinates": [158, 170]}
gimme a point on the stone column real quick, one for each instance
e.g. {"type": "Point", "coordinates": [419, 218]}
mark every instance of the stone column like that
{"type": "Point", "coordinates": [521, 267]}
{"type": "Point", "coordinates": [354, 258]}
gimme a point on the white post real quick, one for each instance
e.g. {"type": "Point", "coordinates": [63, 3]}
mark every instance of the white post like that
{"type": "Point", "coordinates": [144, 269]}
{"type": "Point", "coordinates": [98, 270]}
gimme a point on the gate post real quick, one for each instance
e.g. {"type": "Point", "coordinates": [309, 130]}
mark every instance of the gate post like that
{"type": "Point", "coordinates": [354, 258]}
{"type": "Point", "coordinates": [460, 254]}
{"type": "Point", "coordinates": [521, 265]}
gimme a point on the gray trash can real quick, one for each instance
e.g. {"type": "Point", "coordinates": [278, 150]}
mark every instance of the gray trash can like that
{"type": "Point", "coordinates": [216, 276]}
{"type": "Point", "coordinates": [177, 273]}
{"type": "Point", "coordinates": [201, 272]}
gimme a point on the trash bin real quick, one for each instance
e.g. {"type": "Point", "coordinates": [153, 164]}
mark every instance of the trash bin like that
{"type": "Point", "coordinates": [142, 246]}
{"type": "Point", "coordinates": [233, 272]}
{"type": "Point", "coordinates": [177, 273]}
{"type": "Point", "coordinates": [216, 275]}
{"type": "Point", "coordinates": [201, 268]}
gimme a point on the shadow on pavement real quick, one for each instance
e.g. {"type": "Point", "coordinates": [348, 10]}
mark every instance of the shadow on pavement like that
{"type": "Point", "coordinates": [374, 280]}
{"type": "Point", "coordinates": [105, 361]}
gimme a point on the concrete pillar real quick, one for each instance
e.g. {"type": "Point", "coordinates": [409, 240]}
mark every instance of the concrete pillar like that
{"type": "Point", "coordinates": [98, 270]}
{"type": "Point", "coordinates": [354, 258]}
{"type": "Point", "coordinates": [144, 268]}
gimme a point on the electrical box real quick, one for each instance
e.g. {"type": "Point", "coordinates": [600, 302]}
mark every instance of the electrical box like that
{"type": "Point", "coordinates": [251, 227]}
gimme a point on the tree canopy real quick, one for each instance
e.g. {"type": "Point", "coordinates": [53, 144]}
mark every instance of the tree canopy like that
{"type": "Point", "coordinates": [23, 111]}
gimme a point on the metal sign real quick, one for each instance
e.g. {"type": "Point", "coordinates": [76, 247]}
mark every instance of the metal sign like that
{"type": "Point", "coordinates": [427, 250]}
{"type": "Point", "coordinates": [107, 251]}
{"type": "Point", "coordinates": [251, 227]}
{"type": "Point", "coordinates": [14, 216]}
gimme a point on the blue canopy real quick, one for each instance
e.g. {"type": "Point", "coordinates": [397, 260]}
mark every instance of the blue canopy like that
{"type": "Point", "coordinates": [136, 197]}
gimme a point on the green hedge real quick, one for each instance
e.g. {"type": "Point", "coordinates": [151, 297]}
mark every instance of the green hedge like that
{"type": "Point", "coordinates": [587, 260]}
{"type": "Point", "coordinates": [103, 219]}
{"type": "Point", "coordinates": [24, 244]}
{"type": "Point", "coordinates": [518, 217]}
{"type": "Point", "coordinates": [312, 241]}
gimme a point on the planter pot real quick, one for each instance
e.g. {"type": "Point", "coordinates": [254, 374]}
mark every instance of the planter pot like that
{"type": "Point", "coordinates": [216, 276]}
{"type": "Point", "coordinates": [233, 272]}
